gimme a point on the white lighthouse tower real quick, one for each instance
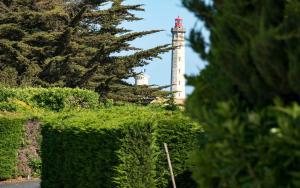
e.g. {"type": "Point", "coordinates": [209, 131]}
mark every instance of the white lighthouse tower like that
{"type": "Point", "coordinates": [178, 61]}
{"type": "Point", "coordinates": [142, 79]}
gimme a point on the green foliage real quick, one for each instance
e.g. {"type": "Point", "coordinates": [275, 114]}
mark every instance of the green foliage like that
{"type": "Point", "coordinates": [51, 100]}
{"type": "Point", "coordinates": [252, 58]}
{"type": "Point", "coordinates": [7, 107]}
{"type": "Point", "coordinates": [248, 149]}
{"type": "Point", "coordinates": [84, 146]}
{"type": "Point", "coordinates": [55, 99]}
{"type": "Point", "coordinates": [6, 94]}
{"type": "Point", "coordinates": [35, 165]}
{"type": "Point", "coordinates": [56, 43]}
{"type": "Point", "coordinates": [170, 104]}
{"type": "Point", "coordinates": [115, 147]}
{"type": "Point", "coordinates": [181, 137]}
{"type": "Point", "coordinates": [137, 156]}
{"type": "Point", "coordinates": [252, 51]}
{"type": "Point", "coordinates": [11, 138]}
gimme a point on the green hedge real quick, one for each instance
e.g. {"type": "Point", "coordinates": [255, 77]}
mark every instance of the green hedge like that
{"type": "Point", "coordinates": [116, 147]}
{"type": "Point", "coordinates": [249, 149]}
{"type": "Point", "coordinates": [55, 99]}
{"type": "Point", "coordinates": [18, 155]}
{"type": "Point", "coordinates": [11, 137]}
{"type": "Point", "coordinates": [181, 138]}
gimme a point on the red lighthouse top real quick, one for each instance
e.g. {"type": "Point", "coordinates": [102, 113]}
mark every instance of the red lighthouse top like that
{"type": "Point", "coordinates": [178, 22]}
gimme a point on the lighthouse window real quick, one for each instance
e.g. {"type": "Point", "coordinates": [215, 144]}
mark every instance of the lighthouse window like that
{"type": "Point", "coordinates": [179, 82]}
{"type": "Point", "coordinates": [179, 71]}
{"type": "Point", "coordinates": [179, 59]}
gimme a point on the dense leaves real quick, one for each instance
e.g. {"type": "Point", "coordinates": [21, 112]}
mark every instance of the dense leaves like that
{"type": "Point", "coordinates": [54, 99]}
{"type": "Point", "coordinates": [11, 137]}
{"type": "Point", "coordinates": [252, 51]}
{"type": "Point", "coordinates": [249, 149]}
{"type": "Point", "coordinates": [115, 148]}
{"type": "Point", "coordinates": [253, 60]}
{"type": "Point", "coordinates": [89, 145]}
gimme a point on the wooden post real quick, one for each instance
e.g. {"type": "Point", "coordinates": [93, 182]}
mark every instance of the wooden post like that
{"type": "Point", "coordinates": [170, 165]}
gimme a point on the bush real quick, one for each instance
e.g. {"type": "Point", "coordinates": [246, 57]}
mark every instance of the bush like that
{"type": "Point", "coordinates": [8, 107]}
{"type": "Point", "coordinates": [115, 147]}
{"type": "Point", "coordinates": [11, 137]}
{"type": "Point", "coordinates": [55, 99]}
{"type": "Point", "coordinates": [249, 149]}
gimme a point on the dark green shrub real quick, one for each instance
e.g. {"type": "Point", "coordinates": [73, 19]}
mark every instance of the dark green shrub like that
{"type": "Point", "coordinates": [184, 180]}
{"type": "Point", "coordinates": [249, 149]}
{"type": "Point", "coordinates": [115, 148]}
{"type": "Point", "coordinates": [11, 137]}
{"type": "Point", "coordinates": [80, 158]}
{"type": "Point", "coordinates": [181, 138]}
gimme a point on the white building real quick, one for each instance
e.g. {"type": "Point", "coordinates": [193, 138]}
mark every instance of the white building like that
{"type": "Point", "coordinates": [178, 61]}
{"type": "Point", "coordinates": [141, 79]}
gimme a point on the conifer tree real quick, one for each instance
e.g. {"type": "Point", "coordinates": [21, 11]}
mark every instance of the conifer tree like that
{"type": "Point", "coordinates": [74, 44]}
{"type": "Point", "coordinates": [253, 50]}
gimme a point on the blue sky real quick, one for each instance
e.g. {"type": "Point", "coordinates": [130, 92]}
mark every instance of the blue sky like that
{"type": "Point", "coordinates": [160, 14]}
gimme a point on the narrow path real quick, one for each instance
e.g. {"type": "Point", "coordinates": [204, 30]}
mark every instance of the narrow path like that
{"type": "Point", "coordinates": [29, 184]}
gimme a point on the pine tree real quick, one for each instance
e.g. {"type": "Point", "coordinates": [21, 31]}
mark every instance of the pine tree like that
{"type": "Point", "coordinates": [28, 34]}
{"type": "Point", "coordinates": [252, 49]}
{"type": "Point", "coordinates": [75, 44]}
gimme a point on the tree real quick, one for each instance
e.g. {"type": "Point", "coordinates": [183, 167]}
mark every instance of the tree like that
{"type": "Point", "coordinates": [252, 50]}
{"type": "Point", "coordinates": [252, 58]}
{"type": "Point", "coordinates": [75, 44]}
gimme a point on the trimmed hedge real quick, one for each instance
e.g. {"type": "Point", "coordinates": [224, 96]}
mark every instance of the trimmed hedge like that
{"type": "Point", "coordinates": [181, 138]}
{"type": "Point", "coordinates": [19, 137]}
{"type": "Point", "coordinates": [54, 99]}
{"type": "Point", "coordinates": [11, 137]}
{"type": "Point", "coordinates": [116, 147]}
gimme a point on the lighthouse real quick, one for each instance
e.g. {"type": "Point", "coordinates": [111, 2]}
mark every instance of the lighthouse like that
{"type": "Point", "coordinates": [142, 79]}
{"type": "Point", "coordinates": [178, 61]}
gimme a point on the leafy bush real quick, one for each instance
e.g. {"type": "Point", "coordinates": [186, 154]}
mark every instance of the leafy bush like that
{"type": "Point", "coordinates": [55, 99]}
{"type": "Point", "coordinates": [115, 147]}
{"type": "Point", "coordinates": [249, 149]}
{"type": "Point", "coordinates": [8, 107]}
{"type": "Point", "coordinates": [11, 137]}
{"type": "Point", "coordinates": [51, 100]}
